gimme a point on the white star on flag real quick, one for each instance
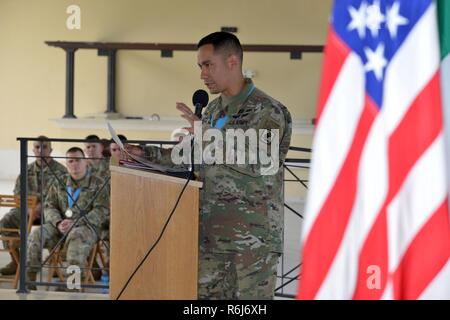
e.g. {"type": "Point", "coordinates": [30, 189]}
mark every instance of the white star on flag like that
{"type": "Point", "coordinates": [374, 18]}
{"type": "Point", "coordinates": [358, 19]}
{"type": "Point", "coordinates": [394, 19]}
{"type": "Point", "coordinates": [375, 61]}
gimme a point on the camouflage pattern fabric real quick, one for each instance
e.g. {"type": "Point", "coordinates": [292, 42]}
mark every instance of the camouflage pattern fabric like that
{"type": "Point", "coordinates": [82, 236]}
{"type": "Point", "coordinates": [34, 178]}
{"type": "Point", "coordinates": [11, 219]}
{"type": "Point", "coordinates": [246, 275]}
{"type": "Point", "coordinates": [97, 211]}
{"type": "Point", "coordinates": [101, 169]}
{"type": "Point", "coordinates": [78, 245]}
{"type": "Point", "coordinates": [241, 207]}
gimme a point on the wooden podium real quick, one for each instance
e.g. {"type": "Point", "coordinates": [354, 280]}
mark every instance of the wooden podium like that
{"type": "Point", "coordinates": [141, 203]}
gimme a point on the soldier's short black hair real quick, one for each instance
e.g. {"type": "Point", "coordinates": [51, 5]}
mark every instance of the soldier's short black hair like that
{"type": "Point", "coordinates": [121, 137]}
{"type": "Point", "coordinates": [75, 149]}
{"type": "Point", "coordinates": [105, 143]}
{"type": "Point", "coordinates": [223, 41]}
{"type": "Point", "coordinates": [93, 138]}
{"type": "Point", "coordinates": [44, 138]}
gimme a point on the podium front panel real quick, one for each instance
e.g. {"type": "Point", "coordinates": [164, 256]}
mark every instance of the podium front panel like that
{"type": "Point", "coordinates": [141, 203]}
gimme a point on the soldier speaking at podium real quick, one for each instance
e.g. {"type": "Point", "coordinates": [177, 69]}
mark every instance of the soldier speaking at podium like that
{"type": "Point", "coordinates": [241, 209]}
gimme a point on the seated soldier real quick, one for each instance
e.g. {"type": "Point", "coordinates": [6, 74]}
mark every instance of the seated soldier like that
{"type": "Point", "coordinates": [11, 220]}
{"type": "Point", "coordinates": [94, 151]}
{"type": "Point", "coordinates": [82, 200]}
{"type": "Point", "coordinates": [114, 149]}
{"type": "Point", "coordinates": [106, 153]}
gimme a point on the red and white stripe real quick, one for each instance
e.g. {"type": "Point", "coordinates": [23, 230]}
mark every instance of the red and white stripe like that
{"type": "Point", "coordinates": [377, 193]}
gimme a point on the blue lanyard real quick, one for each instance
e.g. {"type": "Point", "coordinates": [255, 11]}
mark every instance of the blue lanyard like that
{"type": "Point", "coordinates": [223, 120]}
{"type": "Point", "coordinates": [75, 195]}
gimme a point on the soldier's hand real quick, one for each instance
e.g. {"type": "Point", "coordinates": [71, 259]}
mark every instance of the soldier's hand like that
{"type": "Point", "coordinates": [187, 114]}
{"type": "Point", "coordinates": [61, 227]}
{"type": "Point", "coordinates": [65, 225]}
{"type": "Point", "coordinates": [69, 224]}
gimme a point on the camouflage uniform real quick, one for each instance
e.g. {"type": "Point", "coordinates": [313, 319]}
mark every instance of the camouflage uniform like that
{"type": "Point", "coordinates": [241, 215]}
{"type": "Point", "coordinates": [78, 244]}
{"type": "Point", "coordinates": [12, 218]}
{"type": "Point", "coordinates": [101, 169]}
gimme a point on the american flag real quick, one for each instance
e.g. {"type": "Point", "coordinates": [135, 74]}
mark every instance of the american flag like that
{"type": "Point", "coordinates": [377, 220]}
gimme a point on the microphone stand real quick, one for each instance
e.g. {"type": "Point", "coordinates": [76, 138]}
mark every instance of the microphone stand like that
{"type": "Point", "coordinates": [198, 113]}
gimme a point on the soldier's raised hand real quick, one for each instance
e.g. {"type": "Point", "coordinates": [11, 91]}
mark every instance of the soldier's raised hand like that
{"type": "Point", "coordinates": [187, 114]}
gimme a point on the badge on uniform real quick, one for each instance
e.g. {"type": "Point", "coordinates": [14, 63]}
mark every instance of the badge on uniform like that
{"type": "Point", "coordinates": [69, 213]}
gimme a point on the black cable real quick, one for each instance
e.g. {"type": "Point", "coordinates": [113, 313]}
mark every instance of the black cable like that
{"type": "Point", "coordinates": [157, 240]}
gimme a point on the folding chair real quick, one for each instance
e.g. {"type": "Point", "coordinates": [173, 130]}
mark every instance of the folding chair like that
{"type": "Point", "coordinates": [14, 240]}
{"type": "Point", "coordinates": [56, 263]}
{"type": "Point", "coordinates": [96, 252]}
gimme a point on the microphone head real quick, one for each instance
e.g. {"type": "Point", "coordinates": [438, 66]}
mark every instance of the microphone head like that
{"type": "Point", "coordinates": [200, 98]}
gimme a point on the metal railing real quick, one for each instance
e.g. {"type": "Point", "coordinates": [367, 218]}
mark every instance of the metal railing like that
{"type": "Point", "coordinates": [301, 162]}
{"type": "Point", "coordinates": [44, 264]}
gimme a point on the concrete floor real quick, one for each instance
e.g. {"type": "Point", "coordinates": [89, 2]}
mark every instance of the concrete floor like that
{"type": "Point", "coordinates": [10, 294]}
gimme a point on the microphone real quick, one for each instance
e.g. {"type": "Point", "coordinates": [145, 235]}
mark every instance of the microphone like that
{"type": "Point", "coordinates": [200, 100]}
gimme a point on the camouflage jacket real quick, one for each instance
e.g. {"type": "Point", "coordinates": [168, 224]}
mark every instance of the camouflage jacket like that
{"type": "Point", "coordinates": [34, 178]}
{"type": "Point", "coordinates": [240, 207]}
{"type": "Point", "coordinates": [100, 169]}
{"type": "Point", "coordinates": [93, 201]}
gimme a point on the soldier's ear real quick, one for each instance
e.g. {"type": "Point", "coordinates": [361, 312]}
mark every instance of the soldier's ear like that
{"type": "Point", "coordinates": [233, 61]}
